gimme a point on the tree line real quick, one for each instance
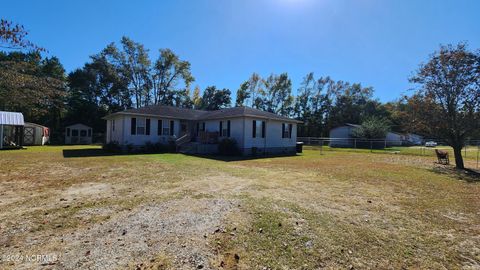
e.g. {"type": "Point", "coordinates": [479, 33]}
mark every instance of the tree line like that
{"type": "Point", "coordinates": [446, 103]}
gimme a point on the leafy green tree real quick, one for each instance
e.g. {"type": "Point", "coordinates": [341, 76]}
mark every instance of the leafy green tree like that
{"type": "Point", "coordinates": [215, 99]}
{"type": "Point", "coordinates": [242, 95]}
{"type": "Point", "coordinates": [32, 85]}
{"type": "Point", "coordinates": [196, 99]}
{"type": "Point", "coordinates": [450, 83]}
{"type": "Point", "coordinates": [168, 73]}
{"type": "Point", "coordinates": [372, 128]}
{"type": "Point", "coordinates": [255, 91]}
{"type": "Point", "coordinates": [135, 65]}
{"type": "Point", "coordinates": [278, 94]}
{"type": "Point", "coordinates": [97, 89]}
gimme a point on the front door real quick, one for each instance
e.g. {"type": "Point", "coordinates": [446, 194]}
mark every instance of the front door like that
{"type": "Point", "coordinates": [183, 128]}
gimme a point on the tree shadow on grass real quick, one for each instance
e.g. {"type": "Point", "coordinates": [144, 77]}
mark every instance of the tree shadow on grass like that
{"type": "Point", "coordinates": [467, 175]}
{"type": "Point", "coordinates": [87, 152]}
{"type": "Point", "coordinates": [95, 152]}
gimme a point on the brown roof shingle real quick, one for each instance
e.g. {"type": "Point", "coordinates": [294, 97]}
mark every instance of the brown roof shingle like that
{"type": "Point", "coordinates": [191, 114]}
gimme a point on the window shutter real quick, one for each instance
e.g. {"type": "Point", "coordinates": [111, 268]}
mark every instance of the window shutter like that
{"type": "Point", "coordinates": [283, 130]}
{"type": "Point", "coordinates": [228, 128]}
{"type": "Point", "coordinates": [263, 129]}
{"type": "Point", "coordinates": [220, 129]}
{"type": "Point", "coordinates": [159, 127]}
{"type": "Point", "coordinates": [172, 126]}
{"type": "Point", "coordinates": [198, 127]}
{"type": "Point", "coordinates": [147, 126]}
{"type": "Point", "coordinates": [290, 126]}
{"type": "Point", "coordinates": [254, 129]}
{"type": "Point", "coordinates": [203, 126]}
{"type": "Point", "coordinates": [133, 126]}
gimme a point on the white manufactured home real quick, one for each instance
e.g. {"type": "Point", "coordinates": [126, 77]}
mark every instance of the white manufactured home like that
{"type": "Point", "coordinates": [255, 131]}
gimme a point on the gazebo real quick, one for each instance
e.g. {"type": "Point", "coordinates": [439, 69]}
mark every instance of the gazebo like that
{"type": "Point", "coordinates": [11, 130]}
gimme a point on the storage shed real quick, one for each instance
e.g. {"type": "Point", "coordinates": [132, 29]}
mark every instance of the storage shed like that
{"type": "Point", "coordinates": [35, 134]}
{"type": "Point", "coordinates": [11, 130]}
{"type": "Point", "coordinates": [78, 134]}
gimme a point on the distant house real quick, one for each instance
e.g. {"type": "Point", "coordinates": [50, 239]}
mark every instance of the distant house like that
{"type": "Point", "coordinates": [414, 139]}
{"type": "Point", "coordinates": [34, 134]}
{"type": "Point", "coordinates": [11, 129]}
{"type": "Point", "coordinates": [342, 136]}
{"type": "Point", "coordinates": [78, 134]}
{"type": "Point", "coordinates": [198, 131]}
{"type": "Point", "coordinates": [395, 139]}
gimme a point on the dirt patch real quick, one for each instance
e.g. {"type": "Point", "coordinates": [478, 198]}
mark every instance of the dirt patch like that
{"type": "Point", "coordinates": [175, 229]}
{"type": "Point", "coordinates": [87, 190]}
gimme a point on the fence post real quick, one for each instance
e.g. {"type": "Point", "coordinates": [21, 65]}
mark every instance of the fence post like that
{"type": "Point", "coordinates": [371, 146]}
{"type": "Point", "coordinates": [478, 153]}
{"type": "Point", "coordinates": [321, 147]}
{"type": "Point", "coordinates": [355, 143]}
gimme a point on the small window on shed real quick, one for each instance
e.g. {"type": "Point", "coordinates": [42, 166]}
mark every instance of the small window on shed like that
{"type": "Point", "coordinates": [68, 132]}
{"type": "Point", "coordinates": [83, 133]}
{"type": "Point", "coordinates": [74, 132]}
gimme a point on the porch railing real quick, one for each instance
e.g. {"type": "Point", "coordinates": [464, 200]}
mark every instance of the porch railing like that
{"type": "Point", "coordinates": [182, 140]}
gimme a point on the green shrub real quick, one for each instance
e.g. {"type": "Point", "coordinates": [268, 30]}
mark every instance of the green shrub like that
{"type": "Point", "coordinates": [150, 147]}
{"type": "Point", "coordinates": [112, 147]}
{"type": "Point", "coordinates": [228, 147]}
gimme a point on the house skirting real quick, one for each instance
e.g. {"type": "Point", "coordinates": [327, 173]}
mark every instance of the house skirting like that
{"type": "Point", "coordinates": [258, 151]}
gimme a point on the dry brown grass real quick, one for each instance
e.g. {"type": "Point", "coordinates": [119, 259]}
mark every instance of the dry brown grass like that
{"type": "Point", "coordinates": [337, 210]}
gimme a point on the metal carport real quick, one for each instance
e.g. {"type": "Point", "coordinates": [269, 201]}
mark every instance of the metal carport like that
{"type": "Point", "coordinates": [11, 129]}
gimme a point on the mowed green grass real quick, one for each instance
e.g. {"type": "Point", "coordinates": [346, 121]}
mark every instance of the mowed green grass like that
{"type": "Point", "coordinates": [341, 209]}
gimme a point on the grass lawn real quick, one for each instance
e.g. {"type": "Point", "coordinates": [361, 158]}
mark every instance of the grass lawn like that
{"type": "Point", "coordinates": [342, 209]}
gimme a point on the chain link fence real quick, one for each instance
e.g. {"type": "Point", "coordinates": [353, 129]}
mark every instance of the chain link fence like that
{"type": "Point", "coordinates": [471, 150]}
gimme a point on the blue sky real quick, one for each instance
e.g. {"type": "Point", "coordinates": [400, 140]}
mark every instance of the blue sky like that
{"type": "Point", "coordinates": [378, 43]}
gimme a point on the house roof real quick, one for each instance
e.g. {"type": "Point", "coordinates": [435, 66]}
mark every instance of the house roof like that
{"type": "Point", "coordinates": [191, 114]}
{"type": "Point", "coordinates": [11, 118]}
{"type": "Point", "coordinates": [34, 125]}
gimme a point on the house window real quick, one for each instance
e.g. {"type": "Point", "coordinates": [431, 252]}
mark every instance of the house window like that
{"type": "Point", "coordinates": [258, 130]}
{"type": "Point", "coordinates": [166, 130]}
{"type": "Point", "coordinates": [141, 126]}
{"type": "Point", "coordinates": [224, 128]}
{"type": "Point", "coordinates": [286, 130]}
{"type": "Point", "coordinates": [68, 132]}
{"type": "Point", "coordinates": [172, 127]}
{"type": "Point", "coordinates": [74, 132]}
{"type": "Point", "coordinates": [159, 127]}
{"type": "Point", "coordinates": [147, 126]}
{"type": "Point", "coordinates": [133, 126]}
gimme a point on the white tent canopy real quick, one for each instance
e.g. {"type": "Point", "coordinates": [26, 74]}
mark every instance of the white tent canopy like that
{"type": "Point", "coordinates": [11, 118]}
